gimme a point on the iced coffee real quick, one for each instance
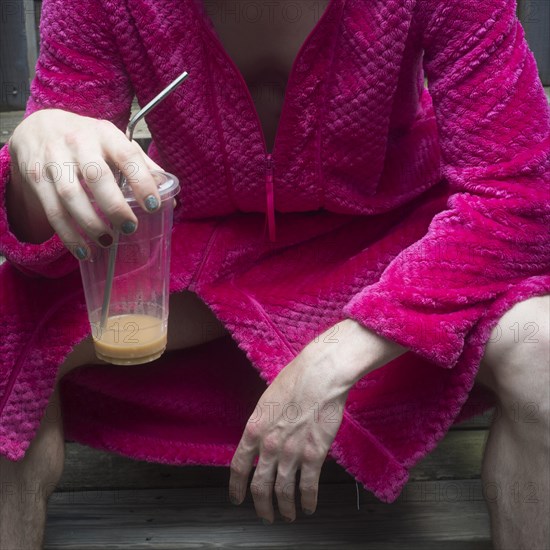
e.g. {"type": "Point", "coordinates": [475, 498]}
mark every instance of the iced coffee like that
{"type": "Point", "coordinates": [134, 330]}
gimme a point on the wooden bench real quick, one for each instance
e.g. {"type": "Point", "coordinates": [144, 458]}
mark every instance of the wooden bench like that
{"type": "Point", "coordinates": [105, 501]}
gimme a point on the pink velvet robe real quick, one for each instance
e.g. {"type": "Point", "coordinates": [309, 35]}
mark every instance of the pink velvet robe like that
{"type": "Point", "coordinates": [421, 213]}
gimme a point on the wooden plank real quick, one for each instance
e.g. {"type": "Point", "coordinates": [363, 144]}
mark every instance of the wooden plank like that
{"type": "Point", "coordinates": [14, 68]}
{"type": "Point", "coordinates": [534, 16]}
{"type": "Point", "coordinates": [457, 457]}
{"type": "Point", "coordinates": [204, 518]}
{"type": "Point", "coordinates": [29, 8]}
{"type": "Point", "coordinates": [9, 121]}
{"type": "Point", "coordinates": [480, 422]}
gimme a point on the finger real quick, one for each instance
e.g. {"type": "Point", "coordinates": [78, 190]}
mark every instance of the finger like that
{"type": "Point", "coordinates": [261, 486]}
{"type": "Point", "coordinates": [101, 182]}
{"type": "Point", "coordinates": [310, 472]}
{"type": "Point", "coordinates": [128, 158]}
{"type": "Point", "coordinates": [60, 220]}
{"type": "Point", "coordinates": [76, 202]}
{"type": "Point", "coordinates": [241, 466]}
{"type": "Point", "coordinates": [285, 489]}
{"type": "Point", "coordinates": [151, 164]}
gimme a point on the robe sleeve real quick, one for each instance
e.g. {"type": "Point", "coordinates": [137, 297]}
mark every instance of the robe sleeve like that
{"type": "Point", "coordinates": [493, 123]}
{"type": "Point", "coordinates": [78, 70]}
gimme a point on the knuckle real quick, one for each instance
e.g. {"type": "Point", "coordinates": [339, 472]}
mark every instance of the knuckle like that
{"type": "Point", "coordinates": [66, 191]}
{"type": "Point", "coordinates": [236, 469]}
{"type": "Point", "coordinates": [270, 444]}
{"type": "Point", "coordinates": [73, 138]}
{"type": "Point", "coordinates": [90, 225]}
{"type": "Point", "coordinates": [281, 490]}
{"type": "Point", "coordinates": [125, 154]}
{"type": "Point", "coordinates": [50, 148]}
{"type": "Point", "coordinates": [97, 172]}
{"type": "Point", "coordinates": [54, 215]}
{"type": "Point", "coordinates": [259, 489]}
{"type": "Point", "coordinates": [32, 173]}
{"type": "Point", "coordinates": [93, 172]}
{"type": "Point", "coordinates": [49, 153]}
{"type": "Point", "coordinates": [252, 431]}
{"type": "Point", "coordinates": [116, 209]}
{"type": "Point", "coordinates": [311, 454]}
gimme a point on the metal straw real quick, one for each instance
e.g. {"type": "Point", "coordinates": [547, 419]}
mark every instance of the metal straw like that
{"type": "Point", "coordinates": [121, 182]}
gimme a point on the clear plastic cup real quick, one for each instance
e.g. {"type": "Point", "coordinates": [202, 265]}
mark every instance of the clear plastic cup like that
{"type": "Point", "coordinates": [136, 328]}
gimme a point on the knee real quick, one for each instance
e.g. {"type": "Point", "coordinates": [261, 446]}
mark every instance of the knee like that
{"type": "Point", "coordinates": [29, 479]}
{"type": "Point", "coordinates": [516, 363]}
{"type": "Point", "coordinates": [48, 456]}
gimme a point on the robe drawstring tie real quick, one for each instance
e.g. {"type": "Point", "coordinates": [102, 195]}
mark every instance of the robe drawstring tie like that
{"type": "Point", "coordinates": [270, 200]}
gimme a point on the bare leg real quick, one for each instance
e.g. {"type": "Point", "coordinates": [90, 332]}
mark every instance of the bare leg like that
{"type": "Point", "coordinates": [26, 485]}
{"type": "Point", "coordinates": [515, 470]}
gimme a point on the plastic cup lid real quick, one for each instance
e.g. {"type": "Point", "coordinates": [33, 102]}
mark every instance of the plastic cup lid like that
{"type": "Point", "coordinates": [167, 184]}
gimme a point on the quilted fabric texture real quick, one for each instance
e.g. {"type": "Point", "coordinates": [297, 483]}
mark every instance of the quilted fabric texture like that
{"type": "Point", "coordinates": [421, 213]}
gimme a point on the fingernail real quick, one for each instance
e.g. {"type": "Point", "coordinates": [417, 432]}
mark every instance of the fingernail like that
{"type": "Point", "coordinates": [105, 239]}
{"type": "Point", "coordinates": [266, 521]}
{"type": "Point", "coordinates": [307, 511]}
{"type": "Point", "coordinates": [81, 252]}
{"type": "Point", "coordinates": [128, 227]}
{"type": "Point", "coordinates": [151, 203]}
